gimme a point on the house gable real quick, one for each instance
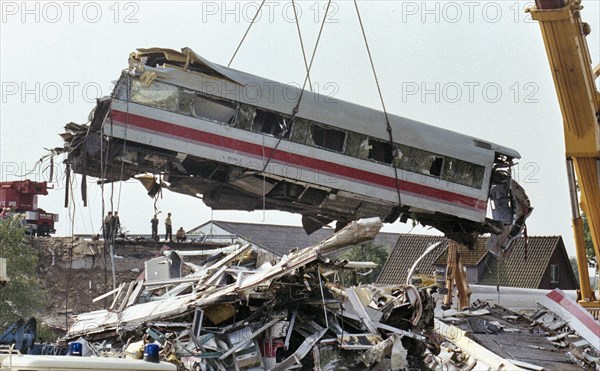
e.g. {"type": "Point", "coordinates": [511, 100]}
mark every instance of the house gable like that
{"type": "Point", "coordinates": [526, 266]}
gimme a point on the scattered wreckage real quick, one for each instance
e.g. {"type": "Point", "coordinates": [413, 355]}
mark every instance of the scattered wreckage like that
{"type": "Point", "coordinates": [237, 307]}
{"type": "Point", "coordinates": [237, 141]}
{"type": "Point", "coordinates": [242, 310]}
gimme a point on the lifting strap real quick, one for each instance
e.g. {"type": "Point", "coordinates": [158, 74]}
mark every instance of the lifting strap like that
{"type": "Point", "coordinates": [306, 79]}
{"type": "Point", "coordinates": [310, 85]}
{"type": "Point", "coordinates": [246, 34]}
{"type": "Point", "coordinates": [387, 119]}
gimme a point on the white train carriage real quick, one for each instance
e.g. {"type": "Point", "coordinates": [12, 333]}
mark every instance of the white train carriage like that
{"type": "Point", "coordinates": [242, 142]}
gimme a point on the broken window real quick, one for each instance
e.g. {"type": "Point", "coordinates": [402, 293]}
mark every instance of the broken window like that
{"type": "Point", "coordinates": [186, 102]}
{"type": "Point", "coordinates": [554, 273]}
{"type": "Point", "coordinates": [419, 161]}
{"type": "Point", "coordinates": [121, 89]}
{"type": "Point", "coordinates": [381, 151]}
{"type": "Point", "coordinates": [157, 94]}
{"type": "Point", "coordinates": [300, 130]}
{"type": "Point", "coordinates": [271, 123]}
{"type": "Point", "coordinates": [327, 137]}
{"type": "Point", "coordinates": [214, 110]}
{"type": "Point", "coordinates": [357, 145]}
{"type": "Point", "coordinates": [463, 172]}
{"type": "Point", "coordinates": [245, 117]}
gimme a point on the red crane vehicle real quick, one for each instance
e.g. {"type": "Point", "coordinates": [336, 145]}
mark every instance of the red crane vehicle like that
{"type": "Point", "coordinates": [21, 197]}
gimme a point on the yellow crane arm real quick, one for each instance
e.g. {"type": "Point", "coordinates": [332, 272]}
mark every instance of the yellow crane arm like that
{"type": "Point", "coordinates": [564, 35]}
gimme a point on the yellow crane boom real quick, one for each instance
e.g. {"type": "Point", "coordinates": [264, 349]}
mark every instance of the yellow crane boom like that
{"type": "Point", "coordinates": [564, 35]}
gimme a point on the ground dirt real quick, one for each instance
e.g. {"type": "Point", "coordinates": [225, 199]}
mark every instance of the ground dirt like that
{"type": "Point", "coordinates": [71, 282]}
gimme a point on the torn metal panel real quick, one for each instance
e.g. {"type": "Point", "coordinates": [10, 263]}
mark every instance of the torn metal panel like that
{"type": "Point", "coordinates": [163, 268]}
{"type": "Point", "coordinates": [398, 356]}
{"type": "Point", "coordinates": [377, 352]}
{"type": "Point", "coordinates": [360, 310]}
{"type": "Point", "coordinates": [359, 341]}
{"type": "Point", "coordinates": [302, 351]}
{"type": "Point", "coordinates": [578, 318]}
{"type": "Point", "coordinates": [460, 339]}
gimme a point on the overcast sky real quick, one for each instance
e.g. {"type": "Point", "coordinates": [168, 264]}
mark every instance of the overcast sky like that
{"type": "Point", "coordinates": [478, 68]}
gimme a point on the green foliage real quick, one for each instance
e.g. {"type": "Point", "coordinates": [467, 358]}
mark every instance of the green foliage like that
{"type": "Point", "coordinates": [47, 334]}
{"type": "Point", "coordinates": [589, 245]}
{"type": "Point", "coordinates": [21, 297]}
{"type": "Point", "coordinates": [364, 252]}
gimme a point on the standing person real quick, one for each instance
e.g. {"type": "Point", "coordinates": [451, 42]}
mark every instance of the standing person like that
{"type": "Point", "coordinates": [169, 228]}
{"type": "Point", "coordinates": [154, 222]}
{"type": "Point", "coordinates": [116, 225]}
{"type": "Point", "coordinates": [107, 225]}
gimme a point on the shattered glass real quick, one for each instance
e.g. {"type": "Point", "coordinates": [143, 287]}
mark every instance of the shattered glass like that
{"type": "Point", "coordinates": [355, 145]}
{"type": "Point", "coordinates": [418, 161]}
{"type": "Point", "coordinates": [245, 117]}
{"type": "Point", "coordinates": [120, 90]}
{"type": "Point", "coordinates": [158, 95]}
{"type": "Point", "coordinates": [186, 101]}
{"type": "Point", "coordinates": [300, 130]}
{"type": "Point", "coordinates": [464, 173]}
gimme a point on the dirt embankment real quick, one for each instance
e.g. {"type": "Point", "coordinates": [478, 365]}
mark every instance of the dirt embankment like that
{"type": "Point", "coordinates": [74, 272]}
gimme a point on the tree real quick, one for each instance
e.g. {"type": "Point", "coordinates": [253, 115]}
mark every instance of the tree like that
{"type": "Point", "coordinates": [589, 245]}
{"type": "Point", "coordinates": [21, 297]}
{"type": "Point", "coordinates": [365, 252]}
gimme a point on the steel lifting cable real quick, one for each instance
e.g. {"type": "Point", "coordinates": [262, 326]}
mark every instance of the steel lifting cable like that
{"type": "Point", "coordinates": [302, 44]}
{"type": "Point", "coordinates": [103, 170]}
{"type": "Point", "coordinates": [306, 78]}
{"type": "Point", "coordinates": [246, 34]}
{"type": "Point", "coordinates": [72, 220]}
{"type": "Point", "coordinates": [124, 142]}
{"type": "Point", "coordinates": [387, 119]}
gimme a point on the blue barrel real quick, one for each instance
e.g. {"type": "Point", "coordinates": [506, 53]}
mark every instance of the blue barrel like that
{"type": "Point", "coordinates": [151, 353]}
{"type": "Point", "coordinates": [75, 349]}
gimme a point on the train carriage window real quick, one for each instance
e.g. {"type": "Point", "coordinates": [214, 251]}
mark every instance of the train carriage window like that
{"type": "Point", "coordinates": [157, 94]}
{"type": "Point", "coordinates": [300, 130]}
{"type": "Point", "coordinates": [381, 151]}
{"type": "Point", "coordinates": [464, 173]}
{"type": "Point", "coordinates": [186, 102]}
{"type": "Point", "coordinates": [271, 123]}
{"type": "Point", "coordinates": [245, 117]}
{"type": "Point", "coordinates": [419, 161]}
{"type": "Point", "coordinates": [215, 110]}
{"type": "Point", "coordinates": [120, 90]}
{"type": "Point", "coordinates": [357, 145]}
{"type": "Point", "coordinates": [327, 137]}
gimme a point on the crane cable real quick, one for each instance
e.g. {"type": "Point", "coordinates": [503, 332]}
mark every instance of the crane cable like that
{"type": "Point", "coordinates": [310, 85]}
{"type": "Point", "coordinates": [306, 79]}
{"type": "Point", "coordinates": [387, 119]}
{"type": "Point", "coordinates": [246, 34]}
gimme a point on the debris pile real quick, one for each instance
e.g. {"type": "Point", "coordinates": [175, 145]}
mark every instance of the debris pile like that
{"type": "Point", "coordinates": [240, 309]}
{"type": "Point", "coordinates": [498, 337]}
{"type": "Point", "coordinates": [569, 326]}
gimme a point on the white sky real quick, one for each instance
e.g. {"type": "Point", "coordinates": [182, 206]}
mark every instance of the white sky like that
{"type": "Point", "coordinates": [57, 57]}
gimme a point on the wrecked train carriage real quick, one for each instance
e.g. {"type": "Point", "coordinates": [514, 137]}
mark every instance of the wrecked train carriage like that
{"type": "Point", "coordinates": [242, 142]}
